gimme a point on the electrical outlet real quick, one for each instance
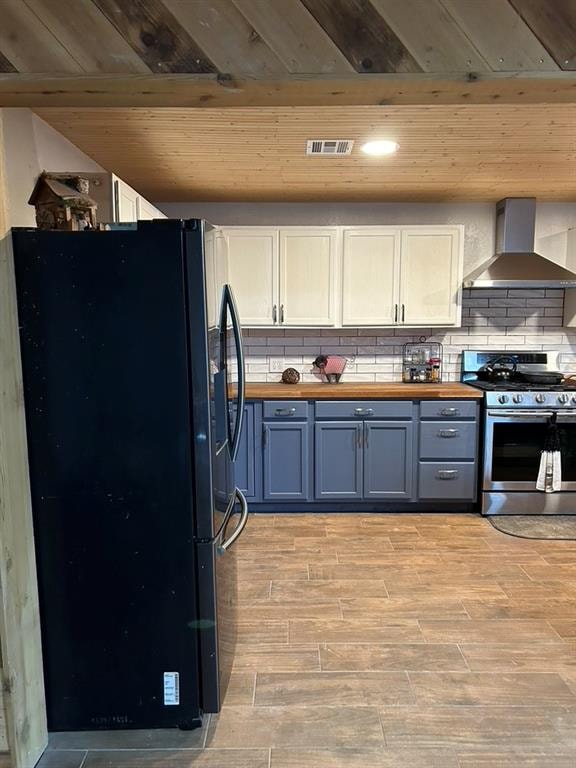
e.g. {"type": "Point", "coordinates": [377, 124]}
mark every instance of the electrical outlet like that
{"type": "Point", "coordinates": [276, 364]}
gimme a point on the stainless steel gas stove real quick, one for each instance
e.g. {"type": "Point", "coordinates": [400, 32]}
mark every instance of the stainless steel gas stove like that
{"type": "Point", "coordinates": [518, 409]}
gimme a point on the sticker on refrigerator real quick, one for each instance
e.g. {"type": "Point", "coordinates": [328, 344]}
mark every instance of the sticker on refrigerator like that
{"type": "Point", "coordinates": [171, 688]}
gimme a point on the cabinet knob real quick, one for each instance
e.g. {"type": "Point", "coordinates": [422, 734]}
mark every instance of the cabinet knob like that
{"type": "Point", "coordinates": [450, 412]}
{"type": "Point", "coordinates": [281, 313]}
{"type": "Point", "coordinates": [448, 432]}
{"type": "Point", "coordinates": [364, 411]}
{"type": "Point", "coordinates": [447, 474]}
{"type": "Point", "coordinates": [274, 314]}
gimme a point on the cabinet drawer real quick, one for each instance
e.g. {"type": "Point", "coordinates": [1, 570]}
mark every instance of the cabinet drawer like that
{"type": "Point", "coordinates": [285, 409]}
{"type": "Point", "coordinates": [447, 480]}
{"type": "Point", "coordinates": [447, 440]}
{"type": "Point", "coordinates": [364, 409]}
{"type": "Point", "coordinates": [448, 409]}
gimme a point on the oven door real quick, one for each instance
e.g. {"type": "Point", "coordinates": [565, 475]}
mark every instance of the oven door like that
{"type": "Point", "coordinates": [513, 447]}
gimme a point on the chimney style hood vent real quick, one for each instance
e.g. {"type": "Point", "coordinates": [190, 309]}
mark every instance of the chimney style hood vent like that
{"type": "Point", "coordinates": [515, 264]}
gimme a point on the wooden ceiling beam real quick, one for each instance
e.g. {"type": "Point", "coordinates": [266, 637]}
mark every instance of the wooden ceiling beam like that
{"type": "Point", "coordinates": [219, 91]}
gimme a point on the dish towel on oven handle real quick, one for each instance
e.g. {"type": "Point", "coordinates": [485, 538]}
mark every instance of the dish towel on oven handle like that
{"type": "Point", "coordinates": [550, 471]}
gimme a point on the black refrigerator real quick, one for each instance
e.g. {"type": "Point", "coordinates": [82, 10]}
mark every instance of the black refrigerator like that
{"type": "Point", "coordinates": [134, 388]}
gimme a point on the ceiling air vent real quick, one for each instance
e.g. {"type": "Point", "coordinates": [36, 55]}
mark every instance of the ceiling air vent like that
{"type": "Point", "coordinates": [329, 147]}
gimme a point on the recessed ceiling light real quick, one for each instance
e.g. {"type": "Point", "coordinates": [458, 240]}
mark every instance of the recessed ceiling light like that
{"type": "Point", "coordinates": [383, 147]}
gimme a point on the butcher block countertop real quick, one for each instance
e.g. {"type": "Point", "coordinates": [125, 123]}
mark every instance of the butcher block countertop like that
{"type": "Point", "coordinates": [361, 391]}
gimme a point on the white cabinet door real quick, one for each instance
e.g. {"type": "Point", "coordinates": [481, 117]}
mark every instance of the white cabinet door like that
{"type": "Point", "coordinates": [210, 270]}
{"type": "Point", "coordinates": [431, 276]}
{"type": "Point", "coordinates": [307, 277]}
{"type": "Point", "coordinates": [253, 273]}
{"type": "Point", "coordinates": [370, 275]}
{"type": "Point", "coordinates": [148, 211]}
{"type": "Point", "coordinates": [222, 276]}
{"type": "Point", "coordinates": [125, 201]}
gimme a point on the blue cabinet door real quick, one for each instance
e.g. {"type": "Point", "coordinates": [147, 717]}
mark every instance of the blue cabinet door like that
{"type": "Point", "coordinates": [338, 460]}
{"type": "Point", "coordinates": [388, 459]}
{"type": "Point", "coordinates": [286, 461]}
{"type": "Point", "coordinates": [245, 465]}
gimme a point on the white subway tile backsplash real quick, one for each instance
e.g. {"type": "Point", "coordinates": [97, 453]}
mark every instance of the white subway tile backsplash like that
{"type": "Point", "coordinates": [488, 312]}
{"type": "Point", "coordinates": [546, 340]}
{"type": "Point", "coordinates": [500, 319]}
{"type": "Point", "coordinates": [507, 303]}
{"type": "Point", "coordinates": [544, 302]}
{"type": "Point", "coordinates": [529, 293]}
{"type": "Point", "coordinates": [339, 349]}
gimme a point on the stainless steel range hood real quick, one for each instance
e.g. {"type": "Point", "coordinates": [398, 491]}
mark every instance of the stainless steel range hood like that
{"type": "Point", "coordinates": [515, 264]}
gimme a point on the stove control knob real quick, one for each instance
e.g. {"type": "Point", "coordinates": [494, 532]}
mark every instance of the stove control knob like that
{"type": "Point", "coordinates": [574, 399]}
{"type": "Point", "coordinates": [563, 399]}
{"type": "Point", "coordinates": [503, 399]}
{"type": "Point", "coordinates": [518, 398]}
{"type": "Point", "coordinates": [540, 398]}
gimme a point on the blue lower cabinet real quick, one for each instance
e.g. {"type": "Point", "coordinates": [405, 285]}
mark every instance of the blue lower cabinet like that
{"type": "Point", "coordinates": [388, 459]}
{"type": "Point", "coordinates": [245, 465]}
{"type": "Point", "coordinates": [338, 460]}
{"type": "Point", "coordinates": [286, 465]}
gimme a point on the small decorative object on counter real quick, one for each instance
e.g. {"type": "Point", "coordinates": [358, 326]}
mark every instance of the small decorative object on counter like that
{"type": "Point", "coordinates": [331, 367]}
{"type": "Point", "coordinates": [422, 363]}
{"type": "Point", "coordinates": [62, 202]}
{"type": "Point", "coordinates": [290, 376]}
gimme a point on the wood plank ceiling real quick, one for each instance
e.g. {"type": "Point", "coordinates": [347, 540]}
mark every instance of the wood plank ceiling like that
{"type": "Point", "coordinates": [264, 37]}
{"type": "Point", "coordinates": [475, 152]}
{"type": "Point", "coordinates": [450, 146]}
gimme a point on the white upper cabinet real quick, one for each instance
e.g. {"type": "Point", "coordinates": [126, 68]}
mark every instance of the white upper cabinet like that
{"type": "Point", "coordinates": [125, 202]}
{"type": "Point", "coordinates": [129, 205]}
{"type": "Point", "coordinates": [253, 273]}
{"type": "Point", "coordinates": [347, 277]}
{"type": "Point", "coordinates": [148, 211]}
{"type": "Point", "coordinates": [210, 270]}
{"type": "Point", "coordinates": [370, 275]}
{"type": "Point", "coordinates": [430, 276]}
{"type": "Point", "coordinates": [216, 267]}
{"type": "Point", "coordinates": [307, 277]}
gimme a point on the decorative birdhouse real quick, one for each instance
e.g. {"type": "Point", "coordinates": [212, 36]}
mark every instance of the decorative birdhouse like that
{"type": "Point", "coordinates": [62, 202]}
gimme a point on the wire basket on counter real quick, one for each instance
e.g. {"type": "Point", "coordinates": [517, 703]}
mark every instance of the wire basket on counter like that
{"type": "Point", "coordinates": [422, 363]}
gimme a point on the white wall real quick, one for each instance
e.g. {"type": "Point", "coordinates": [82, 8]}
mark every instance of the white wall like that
{"type": "Point", "coordinates": [479, 218]}
{"type": "Point", "coordinates": [32, 146]}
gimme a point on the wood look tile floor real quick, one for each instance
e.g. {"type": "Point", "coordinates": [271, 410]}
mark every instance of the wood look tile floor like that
{"type": "Point", "coordinates": [382, 641]}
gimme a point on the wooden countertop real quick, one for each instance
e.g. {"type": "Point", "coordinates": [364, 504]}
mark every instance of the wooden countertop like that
{"type": "Point", "coordinates": [361, 391]}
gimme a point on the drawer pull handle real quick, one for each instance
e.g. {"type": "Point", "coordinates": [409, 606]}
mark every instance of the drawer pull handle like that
{"type": "Point", "coordinates": [285, 411]}
{"type": "Point", "coordinates": [364, 411]}
{"type": "Point", "coordinates": [447, 474]}
{"type": "Point", "coordinates": [450, 412]}
{"type": "Point", "coordinates": [448, 433]}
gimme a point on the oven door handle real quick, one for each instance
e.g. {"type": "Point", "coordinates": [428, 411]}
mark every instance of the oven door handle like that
{"type": "Point", "coordinates": [562, 416]}
{"type": "Point", "coordinates": [523, 414]}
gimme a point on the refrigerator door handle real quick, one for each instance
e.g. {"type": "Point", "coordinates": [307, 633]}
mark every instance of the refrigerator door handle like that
{"type": "Point", "coordinates": [241, 524]}
{"type": "Point", "coordinates": [227, 515]}
{"type": "Point", "coordinates": [236, 329]}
